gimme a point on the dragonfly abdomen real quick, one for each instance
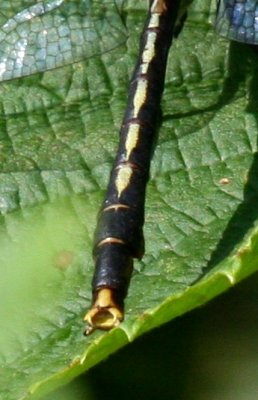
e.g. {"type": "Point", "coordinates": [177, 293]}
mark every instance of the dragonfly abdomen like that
{"type": "Point", "coordinates": [119, 233]}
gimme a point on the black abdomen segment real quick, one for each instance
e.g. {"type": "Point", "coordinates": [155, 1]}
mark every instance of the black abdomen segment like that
{"type": "Point", "coordinates": [119, 233]}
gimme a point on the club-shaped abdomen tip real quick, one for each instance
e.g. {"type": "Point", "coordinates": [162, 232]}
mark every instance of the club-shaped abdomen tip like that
{"type": "Point", "coordinates": [104, 314]}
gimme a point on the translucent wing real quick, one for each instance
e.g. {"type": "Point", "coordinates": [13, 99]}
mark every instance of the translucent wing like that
{"type": "Point", "coordinates": [53, 33]}
{"type": "Point", "coordinates": [238, 20]}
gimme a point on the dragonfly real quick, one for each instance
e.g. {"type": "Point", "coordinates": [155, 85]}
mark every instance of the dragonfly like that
{"type": "Point", "coordinates": [60, 35]}
{"type": "Point", "coordinates": [119, 234]}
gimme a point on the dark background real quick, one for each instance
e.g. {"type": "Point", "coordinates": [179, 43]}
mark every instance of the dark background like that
{"type": "Point", "coordinates": [210, 353]}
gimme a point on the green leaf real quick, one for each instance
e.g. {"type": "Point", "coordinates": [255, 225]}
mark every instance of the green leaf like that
{"type": "Point", "coordinates": [59, 131]}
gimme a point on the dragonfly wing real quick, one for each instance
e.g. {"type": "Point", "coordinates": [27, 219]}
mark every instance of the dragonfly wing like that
{"type": "Point", "coordinates": [51, 34]}
{"type": "Point", "coordinates": [238, 20]}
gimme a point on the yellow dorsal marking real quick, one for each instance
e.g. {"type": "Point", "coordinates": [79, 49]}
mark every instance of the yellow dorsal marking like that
{"type": "Point", "coordinates": [148, 52]}
{"type": "Point", "coordinates": [123, 178]}
{"type": "Point", "coordinates": [105, 298]}
{"type": "Point", "coordinates": [140, 96]}
{"type": "Point", "coordinates": [131, 139]}
{"type": "Point", "coordinates": [158, 6]}
{"type": "Point", "coordinates": [154, 20]}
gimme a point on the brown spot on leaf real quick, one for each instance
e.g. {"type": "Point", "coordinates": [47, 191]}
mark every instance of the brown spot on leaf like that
{"type": "Point", "coordinates": [63, 259]}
